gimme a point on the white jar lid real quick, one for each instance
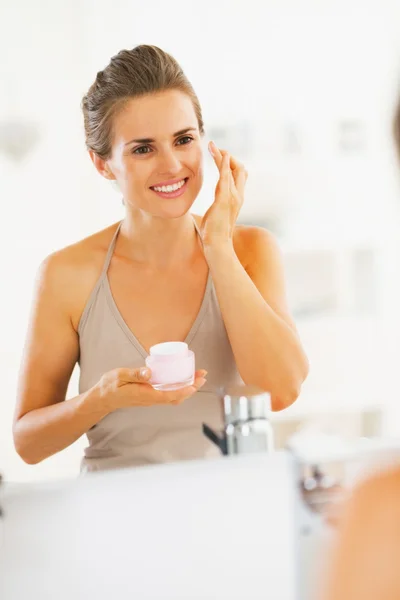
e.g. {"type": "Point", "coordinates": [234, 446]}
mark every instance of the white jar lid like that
{"type": "Point", "coordinates": [169, 349]}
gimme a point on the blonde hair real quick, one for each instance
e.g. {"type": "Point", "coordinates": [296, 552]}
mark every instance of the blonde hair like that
{"type": "Point", "coordinates": [131, 73]}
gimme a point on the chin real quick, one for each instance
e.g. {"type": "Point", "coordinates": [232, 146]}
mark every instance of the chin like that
{"type": "Point", "coordinates": [172, 210]}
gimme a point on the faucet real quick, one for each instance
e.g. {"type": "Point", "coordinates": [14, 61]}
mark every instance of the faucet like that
{"type": "Point", "coordinates": [247, 427]}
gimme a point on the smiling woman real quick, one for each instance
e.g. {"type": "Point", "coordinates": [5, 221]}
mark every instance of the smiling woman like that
{"type": "Point", "coordinates": [144, 166]}
{"type": "Point", "coordinates": [162, 274]}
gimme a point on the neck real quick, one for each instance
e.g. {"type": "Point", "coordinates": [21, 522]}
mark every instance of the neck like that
{"type": "Point", "coordinates": [157, 241]}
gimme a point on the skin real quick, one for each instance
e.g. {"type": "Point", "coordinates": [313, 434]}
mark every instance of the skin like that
{"type": "Point", "coordinates": [364, 563]}
{"type": "Point", "coordinates": [158, 252]}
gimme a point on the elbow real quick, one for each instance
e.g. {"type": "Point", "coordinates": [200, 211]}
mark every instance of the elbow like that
{"type": "Point", "coordinates": [285, 393]}
{"type": "Point", "coordinates": [286, 398]}
{"type": "Point", "coordinates": [282, 396]}
{"type": "Point", "coordinates": [289, 393]}
{"type": "Point", "coordinates": [285, 390]}
{"type": "Point", "coordinates": [22, 449]}
{"type": "Point", "coordinates": [29, 460]}
{"type": "Point", "coordinates": [26, 456]}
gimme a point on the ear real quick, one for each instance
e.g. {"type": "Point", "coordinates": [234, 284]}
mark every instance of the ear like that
{"type": "Point", "coordinates": [102, 166]}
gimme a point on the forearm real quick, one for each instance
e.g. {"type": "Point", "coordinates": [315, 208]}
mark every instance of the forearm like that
{"type": "Point", "coordinates": [45, 431]}
{"type": "Point", "coordinates": [267, 350]}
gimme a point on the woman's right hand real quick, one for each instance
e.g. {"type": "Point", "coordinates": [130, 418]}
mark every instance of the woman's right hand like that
{"type": "Point", "coordinates": [122, 388]}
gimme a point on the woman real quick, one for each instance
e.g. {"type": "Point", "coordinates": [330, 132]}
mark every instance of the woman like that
{"type": "Point", "coordinates": [161, 274]}
{"type": "Point", "coordinates": [364, 565]}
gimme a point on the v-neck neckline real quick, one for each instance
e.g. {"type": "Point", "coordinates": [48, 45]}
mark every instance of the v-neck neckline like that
{"type": "Point", "coordinates": [120, 319]}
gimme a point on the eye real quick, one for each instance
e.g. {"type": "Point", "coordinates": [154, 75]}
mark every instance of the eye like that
{"type": "Point", "coordinates": [188, 139]}
{"type": "Point", "coordinates": [141, 150]}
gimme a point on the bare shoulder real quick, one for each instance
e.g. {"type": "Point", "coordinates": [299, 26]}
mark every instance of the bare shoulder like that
{"type": "Point", "coordinates": [252, 244]}
{"type": "Point", "coordinates": [82, 254]}
{"type": "Point", "coordinates": [70, 274]}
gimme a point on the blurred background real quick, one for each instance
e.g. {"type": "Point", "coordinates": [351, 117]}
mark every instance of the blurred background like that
{"type": "Point", "coordinates": [303, 92]}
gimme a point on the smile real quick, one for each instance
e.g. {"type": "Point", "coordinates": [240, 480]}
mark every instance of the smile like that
{"type": "Point", "coordinates": [171, 191]}
{"type": "Point", "coordinates": [170, 188]}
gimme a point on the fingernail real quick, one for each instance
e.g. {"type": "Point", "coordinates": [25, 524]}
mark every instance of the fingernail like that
{"type": "Point", "coordinates": [211, 148]}
{"type": "Point", "coordinates": [145, 373]}
{"type": "Point", "coordinates": [202, 382]}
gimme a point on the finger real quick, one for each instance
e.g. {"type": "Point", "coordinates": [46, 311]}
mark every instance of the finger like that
{"type": "Point", "coordinates": [239, 175]}
{"type": "Point", "coordinates": [240, 182]}
{"type": "Point", "coordinates": [140, 375]}
{"type": "Point", "coordinates": [200, 373]}
{"type": "Point", "coordinates": [235, 163]}
{"type": "Point", "coordinates": [225, 182]}
{"type": "Point", "coordinates": [198, 383]}
{"type": "Point", "coordinates": [188, 391]}
{"type": "Point", "coordinates": [224, 169]}
{"type": "Point", "coordinates": [225, 172]}
{"type": "Point", "coordinates": [178, 396]}
{"type": "Point", "coordinates": [216, 154]}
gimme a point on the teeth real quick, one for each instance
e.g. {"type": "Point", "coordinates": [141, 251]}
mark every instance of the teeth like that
{"type": "Point", "coordinates": [169, 188]}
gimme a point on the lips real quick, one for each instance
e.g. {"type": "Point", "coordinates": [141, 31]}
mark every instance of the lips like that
{"type": "Point", "coordinates": [169, 182]}
{"type": "Point", "coordinates": [173, 193]}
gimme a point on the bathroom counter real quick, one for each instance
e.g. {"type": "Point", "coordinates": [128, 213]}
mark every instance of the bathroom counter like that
{"type": "Point", "coordinates": [222, 528]}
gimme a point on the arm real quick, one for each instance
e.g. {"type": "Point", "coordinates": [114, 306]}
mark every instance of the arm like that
{"type": "Point", "coordinates": [264, 340]}
{"type": "Point", "coordinates": [364, 565]}
{"type": "Point", "coordinates": [43, 423]}
{"type": "Point", "coordinates": [263, 336]}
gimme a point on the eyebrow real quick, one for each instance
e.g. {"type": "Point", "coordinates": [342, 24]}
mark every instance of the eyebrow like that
{"type": "Point", "coordinates": [150, 140]}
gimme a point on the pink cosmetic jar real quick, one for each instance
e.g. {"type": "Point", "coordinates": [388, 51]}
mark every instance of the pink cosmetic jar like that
{"type": "Point", "coordinates": [172, 366]}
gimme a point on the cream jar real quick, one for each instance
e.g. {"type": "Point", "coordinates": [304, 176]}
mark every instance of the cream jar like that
{"type": "Point", "coordinates": [172, 366]}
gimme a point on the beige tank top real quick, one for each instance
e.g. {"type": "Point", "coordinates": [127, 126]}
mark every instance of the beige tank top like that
{"type": "Point", "coordinates": [157, 434]}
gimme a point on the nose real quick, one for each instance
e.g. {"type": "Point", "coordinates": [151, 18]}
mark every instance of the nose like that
{"type": "Point", "coordinates": [169, 162]}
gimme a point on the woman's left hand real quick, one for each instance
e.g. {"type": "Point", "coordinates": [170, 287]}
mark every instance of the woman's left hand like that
{"type": "Point", "coordinates": [219, 221]}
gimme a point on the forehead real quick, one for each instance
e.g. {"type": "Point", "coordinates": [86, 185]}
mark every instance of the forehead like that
{"type": "Point", "coordinates": [156, 116]}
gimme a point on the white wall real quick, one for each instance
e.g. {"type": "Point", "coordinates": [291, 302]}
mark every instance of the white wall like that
{"type": "Point", "coordinates": [41, 199]}
{"type": "Point", "coordinates": [272, 64]}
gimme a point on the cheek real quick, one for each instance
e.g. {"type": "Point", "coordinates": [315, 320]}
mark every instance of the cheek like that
{"type": "Point", "coordinates": [200, 172]}
{"type": "Point", "coordinates": [135, 173]}
{"type": "Point", "coordinates": [197, 163]}
{"type": "Point", "coordinates": [139, 172]}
